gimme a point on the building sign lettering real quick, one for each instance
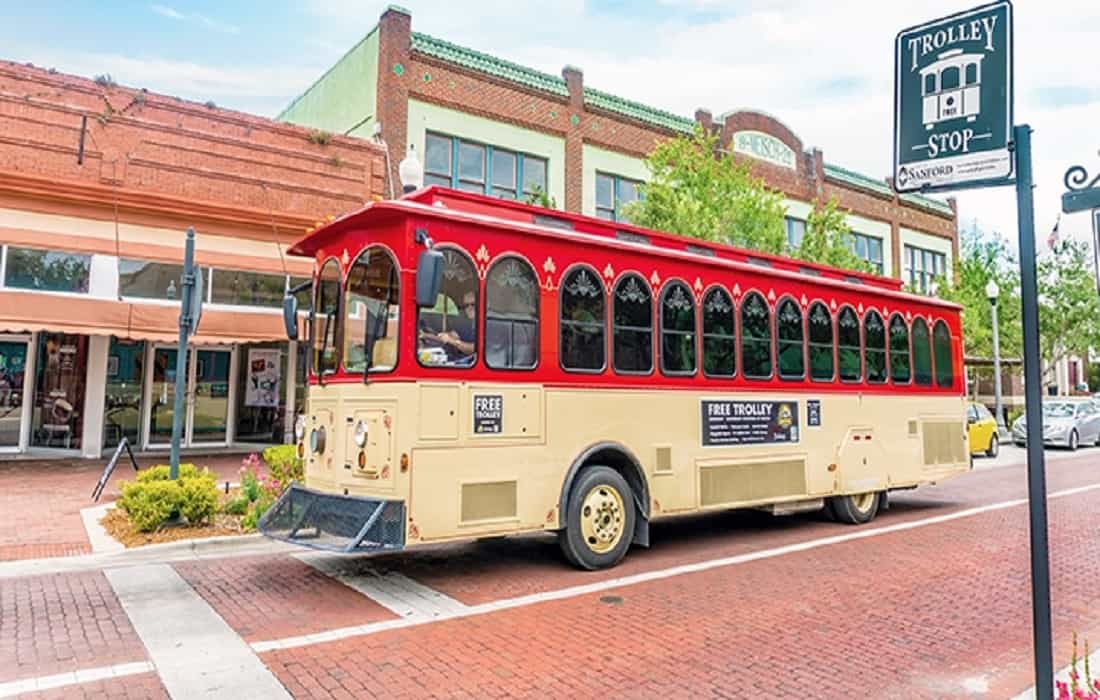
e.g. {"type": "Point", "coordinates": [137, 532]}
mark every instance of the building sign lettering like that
{"type": "Point", "coordinates": [953, 101]}
{"type": "Point", "coordinates": [764, 147]}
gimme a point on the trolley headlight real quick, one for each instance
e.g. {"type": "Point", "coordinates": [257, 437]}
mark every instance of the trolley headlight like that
{"type": "Point", "coordinates": [299, 428]}
{"type": "Point", "coordinates": [317, 440]}
{"type": "Point", "coordinates": [360, 434]}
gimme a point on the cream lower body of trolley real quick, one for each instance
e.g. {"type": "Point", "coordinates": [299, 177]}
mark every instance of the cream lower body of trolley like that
{"type": "Point", "coordinates": [392, 465]}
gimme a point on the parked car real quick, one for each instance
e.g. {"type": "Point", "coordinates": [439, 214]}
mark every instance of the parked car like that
{"type": "Point", "coordinates": [983, 430]}
{"type": "Point", "coordinates": [1067, 422]}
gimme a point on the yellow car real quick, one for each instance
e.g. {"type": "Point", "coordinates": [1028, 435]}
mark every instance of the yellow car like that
{"type": "Point", "coordinates": [983, 431]}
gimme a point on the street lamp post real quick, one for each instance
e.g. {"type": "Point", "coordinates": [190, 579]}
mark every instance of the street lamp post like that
{"type": "Point", "coordinates": [992, 291]}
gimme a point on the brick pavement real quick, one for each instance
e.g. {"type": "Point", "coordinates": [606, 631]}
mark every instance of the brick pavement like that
{"type": "Point", "coordinates": [41, 501]}
{"type": "Point", "coordinates": [54, 624]}
{"type": "Point", "coordinates": [937, 612]}
{"type": "Point", "coordinates": [142, 686]}
{"type": "Point", "coordinates": [273, 597]}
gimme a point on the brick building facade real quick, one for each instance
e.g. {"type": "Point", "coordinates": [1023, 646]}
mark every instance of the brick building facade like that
{"type": "Point", "coordinates": [450, 103]}
{"type": "Point", "coordinates": [98, 184]}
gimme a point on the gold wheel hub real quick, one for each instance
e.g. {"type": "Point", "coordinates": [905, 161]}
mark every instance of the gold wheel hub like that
{"type": "Point", "coordinates": [602, 519]}
{"type": "Point", "coordinates": [863, 501]}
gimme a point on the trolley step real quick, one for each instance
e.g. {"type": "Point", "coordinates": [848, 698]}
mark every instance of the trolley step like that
{"type": "Point", "coordinates": [335, 523]}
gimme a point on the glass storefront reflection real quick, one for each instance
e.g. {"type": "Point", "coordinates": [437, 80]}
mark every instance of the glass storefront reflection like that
{"type": "Point", "coordinates": [261, 393]}
{"type": "Point", "coordinates": [122, 410]}
{"type": "Point", "coordinates": [13, 365]}
{"type": "Point", "coordinates": [58, 415]}
{"type": "Point", "coordinates": [210, 416]}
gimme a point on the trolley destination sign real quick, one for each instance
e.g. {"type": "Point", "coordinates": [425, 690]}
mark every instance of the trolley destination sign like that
{"type": "Point", "coordinates": [953, 101]}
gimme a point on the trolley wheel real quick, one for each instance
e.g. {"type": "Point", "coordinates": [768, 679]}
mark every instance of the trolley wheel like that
{"type": "Point", "coordinates": [599, 524]}
{"type": "Point", "coordinates": [855, 509]}
{"type": "Point", "coordinates": [994, 446]}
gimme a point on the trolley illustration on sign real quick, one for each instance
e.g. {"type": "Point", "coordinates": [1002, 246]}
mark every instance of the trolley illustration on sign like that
{"type": "Point", "coordinates": [951, 87]}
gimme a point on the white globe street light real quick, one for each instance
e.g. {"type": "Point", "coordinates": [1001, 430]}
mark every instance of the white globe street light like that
{"type": "Point", "coordinates": [992, 291]}
{"type": "Point", "coordinates": [410, 172]}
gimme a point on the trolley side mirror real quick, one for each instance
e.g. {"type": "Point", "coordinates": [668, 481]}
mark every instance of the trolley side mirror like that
{"type": "Point", "coordinates": [429, 277]}
{"type": "Point", "coordinates": [290, 316]}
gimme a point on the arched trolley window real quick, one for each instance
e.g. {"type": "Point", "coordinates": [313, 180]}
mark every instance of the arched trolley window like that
{"type": "Point", "coordinates": [326, 318]}
{"type": "Point", "coordinates": [789, 334]}
{"type": "Point", "coordinates": [677, 330]}
{"type": "Point", "coordinates": [922, 353]}
{"type": "Point", "coordinates": [848, 345]}
{"type": "Point", "coordinates": [511, 315]}
{"type": "Point", "coordinates": [583, 321]}
{"type": "Point", "coordinates": [719, 340]}
{"type": "Point", "coordinates": [899, 350]}
{"type": "Point", "coordinates": [632, 326]}
{"type": "Point", "coordinates": [371, 306]}
{"type": "Point", "coordinates": [756, 340]}
{"type": "Point", "coordinates": [821, 343]}
{"type": "Point", "coordinates": [874, 350]}
{"type": "Point", "coordinates": [447, 331]}
{"type": "Point", "coordinates": [941, 343]}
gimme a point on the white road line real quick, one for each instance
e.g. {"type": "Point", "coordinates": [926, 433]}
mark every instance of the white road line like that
{"type": "Point", "coordinates": [61, 680]}
{"type": "Point", "coordinates": [647, 576]}
{"type": "Point", "coordinates": [391, 590]}
{"type": "Point", "coordinates": [195, 651]}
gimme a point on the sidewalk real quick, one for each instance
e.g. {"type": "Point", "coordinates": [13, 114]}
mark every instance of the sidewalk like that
{"type": "Point", "coordinates": [41, 500]}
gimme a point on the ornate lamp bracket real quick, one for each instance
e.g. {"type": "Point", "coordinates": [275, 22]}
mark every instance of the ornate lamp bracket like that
{"type": "Point", "coordinates": [1081, 192]}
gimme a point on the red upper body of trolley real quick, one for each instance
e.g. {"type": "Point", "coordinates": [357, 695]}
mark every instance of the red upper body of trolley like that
{"type": "Point", "coordinates": [551, 244]}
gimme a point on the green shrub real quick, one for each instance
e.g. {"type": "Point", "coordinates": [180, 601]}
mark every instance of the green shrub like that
{"type": "Point", "coordinates": [238, 506]}
{"type": "Point", "coordinates": [153, 498]}
{"type": "Point", "coordinates": [284, 464]}
{"type": "Point", "coordinates": [161, 473]}
{"type": "Point", "coordinates": [150, 503]}
{"type": "Point", "coordinates": [256, 511]}
{"type": "Point", "coordinates": [198, 499]}
{"type": "Point", "coordinates": [250, 486]}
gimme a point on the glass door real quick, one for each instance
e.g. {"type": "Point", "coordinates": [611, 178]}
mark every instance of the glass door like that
{"type": "Point", "coordinates": [206, 405]}
{"type": "Point", "coordinates": [13, 366]}
{"type": "Point", "coordinates": [208, 420]}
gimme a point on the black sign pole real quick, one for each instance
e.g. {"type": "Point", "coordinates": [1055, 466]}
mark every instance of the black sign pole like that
{"type": "Point", "coordinates": [1033, 397]}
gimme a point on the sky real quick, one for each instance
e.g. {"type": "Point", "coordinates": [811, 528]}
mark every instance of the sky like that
{"type": "Point", "coordinates": [823, 68]}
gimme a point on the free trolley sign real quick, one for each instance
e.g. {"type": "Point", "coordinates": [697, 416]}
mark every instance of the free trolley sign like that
{"type": "Point", "coordinates": [727, 422]}
{"type": "Point", "coordinates": [953, 101]}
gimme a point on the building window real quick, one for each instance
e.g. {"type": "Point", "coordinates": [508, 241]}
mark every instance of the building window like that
{"type": "Point", "coordinates": [677, 330]}
{"type": "Point", "coordinates": [924, 266]}
{"type": "Point", "coordinates": [511, 315]}
{"type": "Point", "coordinates": [583, 317]}
{"type": "Point", "coordinates": [613, 193]}
{"type": "Point", "coordinates": [47, 271]}
{"type": "Point", "coordinates": [240, 288]}
{"type": "Point", "coordinates": [149, 280]}
{"type": "Point", "coordinates": [482, 168]}
{"type": "Point", "coordinates": [796, 231]}
{"type": "Point", "coordinates": [719, 341]}
{"type": "Point", "coordinates": [632, 326]}
{"type": "Point", "coordinates": [868, 249]}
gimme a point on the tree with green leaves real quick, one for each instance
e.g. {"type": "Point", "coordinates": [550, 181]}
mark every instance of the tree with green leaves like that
{"type": "Point", "coordinates": [1069, 308]}
{"type": "Point", "coordinates": [700, 191]}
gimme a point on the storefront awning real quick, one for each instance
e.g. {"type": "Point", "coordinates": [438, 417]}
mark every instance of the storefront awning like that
{"type": "Point", "coordinates": [22, 312]}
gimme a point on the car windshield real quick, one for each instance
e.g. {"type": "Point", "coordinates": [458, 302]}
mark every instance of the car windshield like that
{"type": "Point", "coordinates": [1058, 410]}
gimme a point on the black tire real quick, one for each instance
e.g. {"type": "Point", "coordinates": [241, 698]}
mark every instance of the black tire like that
{"type": "Point", "coordinates": [1021, 444]}
{"type": "Point", "coordinates": [1074, 441]}
{"type": "Point", "coordinates": [848, 509]}
{"type": "Point", "coordinates": [994, 446]}
{"type": "Point", "coordinates": [589, 553]}
{"type": "Point", "coordinates": [827, 511]}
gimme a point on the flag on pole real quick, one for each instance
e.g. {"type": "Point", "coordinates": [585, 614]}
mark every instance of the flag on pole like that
{"type": "Point", "coordinates": [1052, 239]}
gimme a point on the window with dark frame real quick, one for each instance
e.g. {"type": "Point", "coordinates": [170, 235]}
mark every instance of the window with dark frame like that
{"type": "Point", "coordinates": [632, 326]}
{"type": "Point", "coordinates": [47, 270]}
{"type": "Point", "coordinates": [756, 338]}
{"type": "Point", "coordinates": [899, 350]}
{"type": "Point", "coordinates": [613, 192]}
{"type": "Point", "coordinates": [583, 321]}
{"type": "Point", "coordinates": [326, 320]}
{"type": "Point", "coordinates": [511, 315]}
{"type": "Point", "coordinates": [719, 338]}
{"type": "Point", "coordinates": [796, 231]}
{"type": "Point", "coordinates": [945, 367]}
{"type": "Point", "coordinates": [868, 249]}
{"type": "Point", "coordinates": [821, 343]}
{"type": "Point", "coordinates": [848, 345]}
{"type": "Point", "coordinates": [447, 330]}
{"type": "Point", "coordinates": [922, 353]}
{"type": "Point", "coordinates": [371, 300]}
{"type": "Point", "coordinates": [485, 169]}
{"type": "Point", "coordinates": [923, 267]}
{"type": "Point", "coordinates": [874, 351]}
{"type": "Point", "coordinates": [789, 340]}
{"type": "Point", "coordinates": [677, 330]}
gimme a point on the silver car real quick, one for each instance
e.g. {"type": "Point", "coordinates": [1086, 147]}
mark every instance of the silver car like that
{"type": "Point", "coordinates": [1067, 423]}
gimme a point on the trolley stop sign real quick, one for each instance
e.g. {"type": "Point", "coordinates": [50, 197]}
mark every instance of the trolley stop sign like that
{"type": "Point", "coordinates": [953, 101]}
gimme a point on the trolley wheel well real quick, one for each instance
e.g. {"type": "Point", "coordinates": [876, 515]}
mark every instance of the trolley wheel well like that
{"type": "Point", "coordinates": [617, 457]}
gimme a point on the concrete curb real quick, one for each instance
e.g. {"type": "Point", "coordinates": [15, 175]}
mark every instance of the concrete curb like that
{"type": "Point", "coordinates": [184, 550]}
{"type": "Point", "coordinates": [98, 536]}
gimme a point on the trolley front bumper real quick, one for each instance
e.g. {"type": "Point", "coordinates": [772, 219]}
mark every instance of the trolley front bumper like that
{"type": "Point", "coordinates": [335, 523]}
